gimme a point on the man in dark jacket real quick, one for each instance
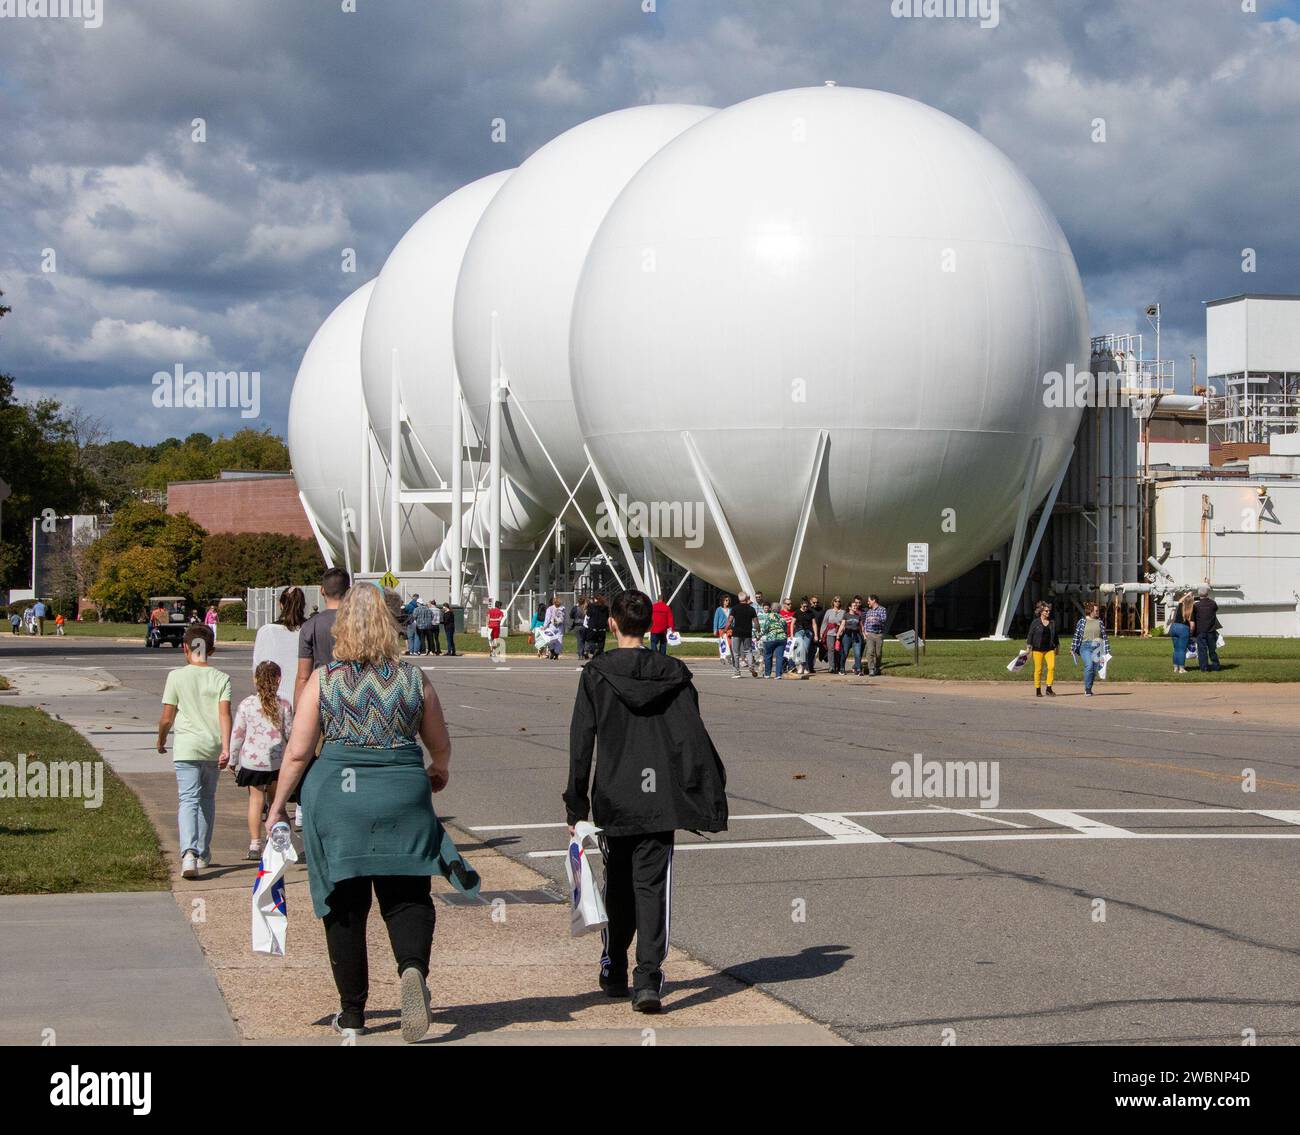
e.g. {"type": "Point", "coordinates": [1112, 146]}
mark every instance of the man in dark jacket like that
{"type": "Point", "coordinates": [1205, 629]}
{"type": "Point", "coordinates": [657, 771]}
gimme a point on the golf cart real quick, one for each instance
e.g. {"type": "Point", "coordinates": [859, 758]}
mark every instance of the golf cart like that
{"type": "Point", "coordinates": [167, 620]}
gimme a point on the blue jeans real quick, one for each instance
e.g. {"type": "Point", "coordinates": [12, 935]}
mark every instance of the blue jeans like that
{"type": "Point", "coordinates": [1182, 635]}
{"type": "Point", "coordinates": [196, 786]}
{"type": "Point", "coordinates": [853, 642]}
{"type": "Point", "coordinates": [1207, 651]}
{"type": "Point", "coordinates": [1091, 653]}
{"type": "Point", "coordinates": [450, 630]}
{"type": "Point", "coordinates": [774, 648]}
{"type": "Point", "coordinates": [412, 638]}
{"type": "Point", "coordinates": [659, 642]}
{"type": "Point", "coordinates": [802, 645]}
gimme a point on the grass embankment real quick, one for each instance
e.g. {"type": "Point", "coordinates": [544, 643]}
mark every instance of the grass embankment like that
{"type": "Point", "coordinates": [53, 845]}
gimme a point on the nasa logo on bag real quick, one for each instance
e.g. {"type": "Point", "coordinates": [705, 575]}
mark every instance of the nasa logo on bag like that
{"type": "Point", "coordinates": [575, 862]}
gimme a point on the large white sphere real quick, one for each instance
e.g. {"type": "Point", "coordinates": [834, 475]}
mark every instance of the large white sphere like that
{"type": "Point", "coordinates": [325, 439]}
{"type": "Point", "coordinates": [838, 259]}
{"type": "Point", "coordinates": [523, 262]}
{"type": "Point", "coordinates": [411, 311]}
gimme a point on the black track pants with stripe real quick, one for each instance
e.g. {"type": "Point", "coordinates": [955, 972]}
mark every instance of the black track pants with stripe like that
{"type": "Point", "coordinates": [638, 900]}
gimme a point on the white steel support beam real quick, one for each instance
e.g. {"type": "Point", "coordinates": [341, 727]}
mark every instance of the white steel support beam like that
{"type": "Point", "coordinates": [1039, 529]}
{"type": "Point", "coordinates": [321, 542]}
{"type": "Point", "coordinates": [395, 469]}
{"type": "Point", "coordinates": [457, 483]}
{"type": "Point", "coordinates": [805, 513]}
{"type": "Point", "coordinates": [1018, 540]}
{"type": "Point", "coordinates": [365, 488]}
{"type": "Point", "coordinates": [719, 518]}
{"type": "Point", "coordinates": [345, 526]}
{"type": "Point", "coordinates": [611, 510]}
{"type": "Point", "coordinates": [494, 456]}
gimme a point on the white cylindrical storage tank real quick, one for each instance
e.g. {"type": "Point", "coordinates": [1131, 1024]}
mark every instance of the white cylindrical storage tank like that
{"type": "Point", "coordinates": [523, 262]}
{"type": "Point", "coordinates": [325, 443]}
{"type": "Point", "coordinates": [838, 260]}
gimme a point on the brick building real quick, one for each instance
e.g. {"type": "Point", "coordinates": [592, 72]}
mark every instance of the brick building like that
{"type": "Point", "coordinates": [242, 502]}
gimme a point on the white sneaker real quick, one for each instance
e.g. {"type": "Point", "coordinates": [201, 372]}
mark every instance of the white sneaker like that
{"type": "Point", "coordinates": [415, 1005]}
{"type": "Point", "coordinates": [204, 862]}
{"type": "Point", "coordinates": [189, 866]}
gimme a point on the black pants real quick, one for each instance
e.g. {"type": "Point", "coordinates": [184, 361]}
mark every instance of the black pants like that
{"type": "Point", "coordinates": [595, 643]}
{"type": "Point", "coordinates": [451, 637]}
{"type": "Point", "coordinates": [581, 632]}
{"type": "Point", "coordinates": [406, 903]}
{"type": "Point", "coordinates": [638, 900]}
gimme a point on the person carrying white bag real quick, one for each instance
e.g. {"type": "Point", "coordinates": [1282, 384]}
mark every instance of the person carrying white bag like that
{"type": "Point", "coordinates": [657, 770]}
{"type": "Point", "coordinates": [588, 907]}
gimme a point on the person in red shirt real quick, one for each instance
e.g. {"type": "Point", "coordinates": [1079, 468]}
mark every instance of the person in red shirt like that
{"type": "Point", "coordinates": [661, 622]}
{"type": "Point", "coordinates": [495, 617]}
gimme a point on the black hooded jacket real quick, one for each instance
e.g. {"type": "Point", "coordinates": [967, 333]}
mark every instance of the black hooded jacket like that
{"type": "Point", "coordinates": [657, 770]}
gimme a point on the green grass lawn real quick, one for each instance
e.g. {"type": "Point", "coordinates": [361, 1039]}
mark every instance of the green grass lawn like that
{"type": "Point", "coordinates": [228, 631]}
{"type": "Point", "coordinates": [56, 845]}
{"type": "Point", "coordinates": [1135, 660]}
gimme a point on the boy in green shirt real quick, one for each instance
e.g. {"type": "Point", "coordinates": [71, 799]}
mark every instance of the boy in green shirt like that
{"type": "Point", "coordinates": [196, 701]}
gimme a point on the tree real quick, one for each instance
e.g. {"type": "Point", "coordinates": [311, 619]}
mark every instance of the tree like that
{"type": "Point", "coordinates": [129, 577]}
{"type": "Point", "coordinates": [232, 563]}
{"type": "Point", "coordinates": [123, 581]}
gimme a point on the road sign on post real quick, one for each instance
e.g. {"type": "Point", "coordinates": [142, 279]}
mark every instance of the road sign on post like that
{"type": "Point", "coordinates": [918, 563]}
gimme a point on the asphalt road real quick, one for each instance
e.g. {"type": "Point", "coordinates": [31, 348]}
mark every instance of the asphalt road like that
{"type": "Point", "coordinates": [1123, 890]}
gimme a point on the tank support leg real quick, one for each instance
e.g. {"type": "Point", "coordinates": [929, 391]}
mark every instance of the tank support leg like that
{"type": "Point", "coordinates": [805, 513]}
{"type": "Point", "coordinates": [719, 518]}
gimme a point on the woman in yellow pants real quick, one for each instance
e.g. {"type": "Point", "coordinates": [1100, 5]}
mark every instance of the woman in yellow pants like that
{"type": "Point", "coordinates": [1042, 643]}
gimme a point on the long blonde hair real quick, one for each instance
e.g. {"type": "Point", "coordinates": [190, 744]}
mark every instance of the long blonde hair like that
{"type": "Point", "coordinates": [364, 628]}
{"type": "Point", "coordinates": [1187, 603]}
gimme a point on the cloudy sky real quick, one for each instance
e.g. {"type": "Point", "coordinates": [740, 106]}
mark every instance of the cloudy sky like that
{"type": "Point", "coordinates": [329, 129]}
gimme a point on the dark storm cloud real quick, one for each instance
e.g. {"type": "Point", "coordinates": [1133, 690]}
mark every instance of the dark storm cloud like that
{"type": "Point", "coordinates": [329, 130]}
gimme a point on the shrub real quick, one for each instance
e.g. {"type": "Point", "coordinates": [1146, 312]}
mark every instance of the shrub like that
{"type": "Point", "coordinates": [235, 612]}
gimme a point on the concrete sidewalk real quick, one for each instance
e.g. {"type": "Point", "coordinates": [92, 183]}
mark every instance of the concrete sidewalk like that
{"type": "Point", "coordinates": [504, 971]}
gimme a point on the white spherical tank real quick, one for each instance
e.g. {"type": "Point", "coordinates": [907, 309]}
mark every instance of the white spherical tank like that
{"type": "Point", "coordinates": [523, 262]}
{"type": "Point", "coordinates": [410, 311]}
{"type": "Point", "coordinates": [325, 439]}
{"type": "Point", "coordinates": [839, 260]}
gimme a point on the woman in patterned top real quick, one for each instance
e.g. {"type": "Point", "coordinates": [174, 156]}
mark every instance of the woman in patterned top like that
{"type": "Point", "coordinates": [370, 824]}
{"type": "Point", "coordinates": [263, 722]}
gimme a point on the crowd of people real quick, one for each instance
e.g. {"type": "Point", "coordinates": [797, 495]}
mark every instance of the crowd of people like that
{"type": "Point", "coordinates": [426, 622]}
{"type": "Point", "coordinates": [340, 722]}
{"type": "Point", "coordinates": [32, 620]}
{"type": "Point", "coordinates": [792, 637]}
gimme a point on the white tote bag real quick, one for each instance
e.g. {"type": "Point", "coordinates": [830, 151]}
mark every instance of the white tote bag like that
{"type": "Point", "coordinates": [1018, 661]}
{"type": "Point", "coordinates": [724, 651]}
{"type": "Point", "coordinates": [588, 908]}
{"type": "Point", "coordinates": [674, 639]}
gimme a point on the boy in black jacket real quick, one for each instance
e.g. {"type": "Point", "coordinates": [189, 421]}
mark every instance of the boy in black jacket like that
{"type": "Point", "coordinates": [657, 771]}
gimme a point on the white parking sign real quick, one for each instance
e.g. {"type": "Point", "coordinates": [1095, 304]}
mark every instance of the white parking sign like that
{"type": "Point", "coordinates": [918, 558]}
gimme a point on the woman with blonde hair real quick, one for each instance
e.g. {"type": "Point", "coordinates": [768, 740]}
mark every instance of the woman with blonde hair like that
{"type": "Point", "coordinates": [370, 824]}
{"type": "Point", "coordinates": [262, 726]}
{"type": "Point", "coordinates": [1180, 630]}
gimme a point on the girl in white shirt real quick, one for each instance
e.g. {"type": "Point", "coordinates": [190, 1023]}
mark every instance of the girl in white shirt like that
{"type": "Point", "coordinates": [262, 726]}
